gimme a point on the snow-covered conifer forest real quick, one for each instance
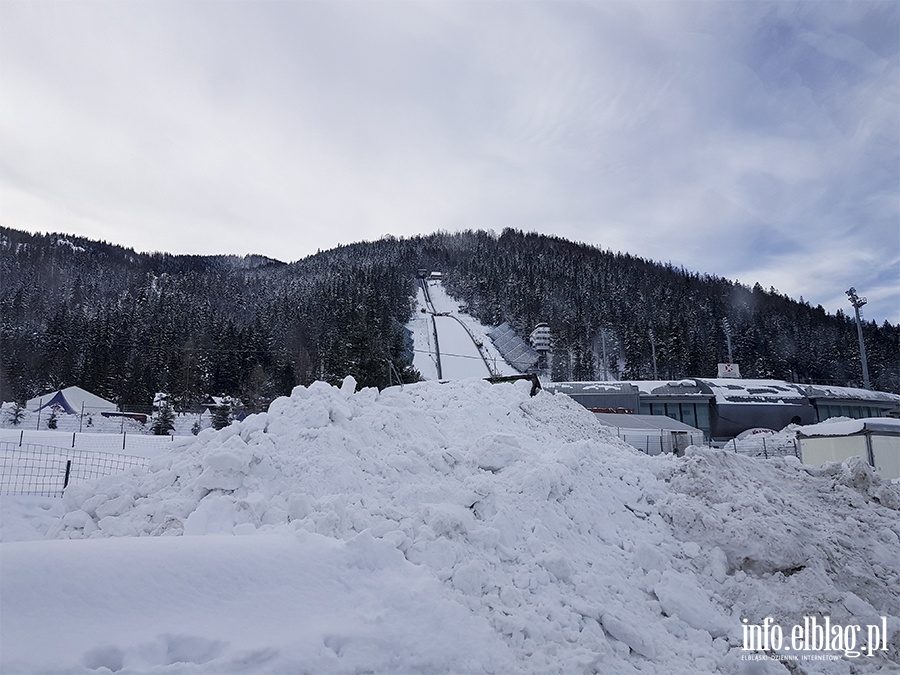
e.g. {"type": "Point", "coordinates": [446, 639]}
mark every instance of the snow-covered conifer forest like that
{"type": "Point", "coordinates": [126, 325]}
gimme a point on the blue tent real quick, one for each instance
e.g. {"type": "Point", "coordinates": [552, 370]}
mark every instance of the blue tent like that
{"type": "Point", "coordinates": [59, 400]}
{"type": "Point", "coordinates": [73, 400]}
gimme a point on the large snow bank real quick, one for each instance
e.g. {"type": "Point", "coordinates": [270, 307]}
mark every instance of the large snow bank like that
{"type": "Point", "coordinates": [458, 527]}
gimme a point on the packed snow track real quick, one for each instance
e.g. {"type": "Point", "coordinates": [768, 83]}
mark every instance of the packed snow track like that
{"type": "Point", "coordinates": [455, 352]}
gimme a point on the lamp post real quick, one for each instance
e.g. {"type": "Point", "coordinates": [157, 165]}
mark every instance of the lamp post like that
{"type": "Point", "coordinates": [858, 302]}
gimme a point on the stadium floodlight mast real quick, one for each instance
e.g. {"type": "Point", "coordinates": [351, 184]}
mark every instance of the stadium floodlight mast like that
{"type": "Point", "coordinates": [727, 327]}
{"type": "Point", "coordinates": [653, 349]}
{"type": "Point", "coordinates": [858, 302]}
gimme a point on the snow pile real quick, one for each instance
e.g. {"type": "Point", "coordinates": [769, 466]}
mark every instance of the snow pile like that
{"type": "Point", "coordinates": [767, 443]}
{"type": "Point", "coordinates": [802, 539]}
{"type": "Point", "coordinates": [460, 527]}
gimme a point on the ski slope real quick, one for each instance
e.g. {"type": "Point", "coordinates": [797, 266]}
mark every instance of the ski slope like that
{"type": "Point", "coordinates": [455, 343]}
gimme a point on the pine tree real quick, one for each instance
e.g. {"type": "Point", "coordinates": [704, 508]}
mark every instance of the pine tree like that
{"type": "Point", "coordinates": [16, 413]}
{"type": "Point", "coordinates": [222, 413]}
{"type": "Point", "coordinates": [163, 420]}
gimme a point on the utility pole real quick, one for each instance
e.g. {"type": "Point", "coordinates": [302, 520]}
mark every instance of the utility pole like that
{"type": "Point", "coordinates": [653, 351]}
{"type": "Point", "coordinates": [858, 302]}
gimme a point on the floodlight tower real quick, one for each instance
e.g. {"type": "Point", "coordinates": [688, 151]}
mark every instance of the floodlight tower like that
{"type": "Point", "coordinates": [727, 327]}
{"type": "Point", "coordinates": [858, 302]}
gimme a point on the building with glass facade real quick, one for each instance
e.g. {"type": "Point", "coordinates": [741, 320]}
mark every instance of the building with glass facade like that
{"type": "Point", "coordinates": [725, 407]}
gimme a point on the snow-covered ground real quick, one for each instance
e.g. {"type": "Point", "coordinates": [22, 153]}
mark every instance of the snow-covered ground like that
{"type": "Point", "coordinates": [34, 426]}
{"type": "Point", "coordinates": [460, 358]}
{"type": "Point", "coordinates": [455, 527]}
{"type": "Point", "coordinates": [137, 444]}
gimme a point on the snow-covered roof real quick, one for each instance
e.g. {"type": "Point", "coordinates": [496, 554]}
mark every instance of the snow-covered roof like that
{"type": "Point", "coordinates": [217, 401]}
{"type": "Point", "coordinates": [643, 422]}
{"type": "Point", "coordinates": [729, 390]}
{"type": "Point", "coordinates": [77, 398]}
{"type": "Point", "coordinates": [592, 387]}
{"type": "Point", "coordinates": [724, 390]}
{"type": "Point", "coordinates": [849, 393]}
{"type": "Point", "coordinates": [879, 425]}
{"type": "Point", "coordinates": [686, 387]}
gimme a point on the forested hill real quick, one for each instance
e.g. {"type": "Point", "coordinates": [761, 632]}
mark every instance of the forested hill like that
{"type": "Point", "coordinates": [126, 325]}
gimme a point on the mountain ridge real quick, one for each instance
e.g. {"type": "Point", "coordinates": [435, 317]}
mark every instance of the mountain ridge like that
{"type": "Point", "coordinates": [127, 324]}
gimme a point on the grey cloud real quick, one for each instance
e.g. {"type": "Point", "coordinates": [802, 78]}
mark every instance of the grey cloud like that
{"type": "Point", "coordinates": [674, 131]}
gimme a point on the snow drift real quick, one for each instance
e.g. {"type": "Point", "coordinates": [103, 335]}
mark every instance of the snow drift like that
{"type": "Point", "coordinates": [458, 527]}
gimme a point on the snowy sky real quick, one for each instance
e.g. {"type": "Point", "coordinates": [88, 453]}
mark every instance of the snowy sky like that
{"type": "Point", "coordinates": [752, 140]}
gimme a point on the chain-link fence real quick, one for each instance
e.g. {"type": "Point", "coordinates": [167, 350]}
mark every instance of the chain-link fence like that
{"type": "Point", "coordinates": [46, 471]}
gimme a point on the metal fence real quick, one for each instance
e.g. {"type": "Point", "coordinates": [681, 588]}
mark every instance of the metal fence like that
{"type": "Point", "coordinates": [763, 447]}
{"type": "Point", "coordinates": [652, 445]}
{"type": "Point", "coordinates": [657, 442]}
{"type": "Point", "coordinates": [46, 471]}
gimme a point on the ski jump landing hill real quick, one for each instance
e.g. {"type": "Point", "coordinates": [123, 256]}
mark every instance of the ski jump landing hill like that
{"type": "Point", "coordinates": [449, 344]}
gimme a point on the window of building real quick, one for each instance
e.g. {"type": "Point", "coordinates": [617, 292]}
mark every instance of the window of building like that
{"type": "Point", "coordinates": [702, 410]}
{"type": "Point", "coordinates": [689, 413]}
